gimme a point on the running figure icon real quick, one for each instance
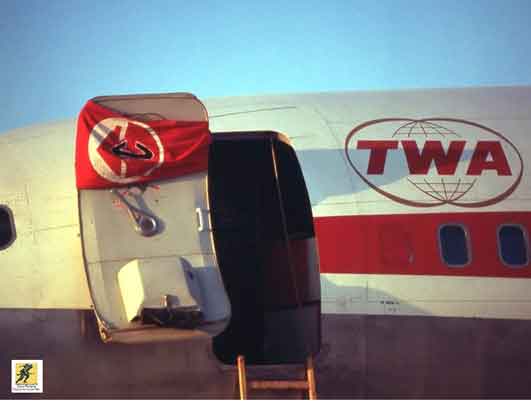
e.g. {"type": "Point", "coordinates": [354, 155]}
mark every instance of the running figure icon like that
{"type": "Point", "coordinates": [24, 373]}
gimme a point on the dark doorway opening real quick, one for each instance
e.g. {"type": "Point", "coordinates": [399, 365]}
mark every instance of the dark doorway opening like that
{"type": "Point", "coordinates": [264, 239]}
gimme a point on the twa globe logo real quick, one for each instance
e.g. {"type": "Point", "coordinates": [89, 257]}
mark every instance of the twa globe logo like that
{"type": "Point", "coordinates": [434, 161]}
{"type": "Point", "coordinates": [445, 190]}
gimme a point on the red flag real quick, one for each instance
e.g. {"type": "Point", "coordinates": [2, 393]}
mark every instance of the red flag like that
{"type": "Point", "coordinates": [114, 150]}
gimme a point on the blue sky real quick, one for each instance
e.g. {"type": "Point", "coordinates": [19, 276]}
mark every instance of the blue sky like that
{"type": "Point", "coordinates": [57, 54]}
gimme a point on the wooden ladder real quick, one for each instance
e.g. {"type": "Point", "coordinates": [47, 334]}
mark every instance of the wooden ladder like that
{"type": "Point", "coordinates": [301, 385]}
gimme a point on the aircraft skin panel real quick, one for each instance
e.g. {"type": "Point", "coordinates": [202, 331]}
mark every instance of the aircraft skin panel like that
{"type": "Point", "coordinates": [508, 103]}
{"type": "Point", "coordinates": [318, 125]}
{"type": "Point", "coordinates": [174, 202]}
{"type": "Point", "coordinates": [43, 268]}
{"type": "Point", "coordinates": [112, 243]}
{"type": "Point", "coordinates": [383, 207]}
{"type": "Point", "coordinates": [385, 294]}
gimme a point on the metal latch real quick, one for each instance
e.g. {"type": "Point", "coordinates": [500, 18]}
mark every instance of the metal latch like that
{"type": "Point", "coordinates": [144, 223]}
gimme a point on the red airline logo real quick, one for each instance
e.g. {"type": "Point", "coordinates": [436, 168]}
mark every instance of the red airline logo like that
{"type": "Point", "coordinates": [488, 155]}
{"type": "Point", "coordinates": [430, 162]}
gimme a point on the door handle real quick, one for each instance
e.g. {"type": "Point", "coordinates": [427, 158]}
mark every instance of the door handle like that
{"type": "Point", "coordinates": [200, 222]}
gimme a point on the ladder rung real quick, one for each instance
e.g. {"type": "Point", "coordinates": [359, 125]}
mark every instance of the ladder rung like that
{"type": "Point", "coordinates": [278, 384]}
{"type": "Point", "coordinates": [308, 384]}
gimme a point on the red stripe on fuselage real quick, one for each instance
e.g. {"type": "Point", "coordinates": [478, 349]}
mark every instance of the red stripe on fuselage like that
{"type": "Point", "coordinates": [409, 244]}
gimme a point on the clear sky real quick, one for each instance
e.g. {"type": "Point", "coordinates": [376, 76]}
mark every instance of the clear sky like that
{"type": "Point", "coordinates": [56, 54]}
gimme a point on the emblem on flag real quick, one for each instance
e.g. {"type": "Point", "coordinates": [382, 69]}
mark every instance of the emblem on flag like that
{"type": "Point", "coordinates": [114, 149]}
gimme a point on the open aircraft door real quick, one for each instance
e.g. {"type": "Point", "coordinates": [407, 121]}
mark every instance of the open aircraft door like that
{"type": "Point", "coordinates": [264, 238]}
{"type": "Point", "coordinates": [141, 170]}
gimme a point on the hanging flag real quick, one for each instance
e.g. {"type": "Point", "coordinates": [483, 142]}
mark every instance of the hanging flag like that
{"type": "Point", "coordinates": [114, 150]}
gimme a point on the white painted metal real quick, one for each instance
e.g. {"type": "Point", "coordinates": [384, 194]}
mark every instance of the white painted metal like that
{"type": "Point", "coordinates": [384, 294]}
{"type": "Point", "coordinates": [111, 242]}
{"type": "Point", "coordinates": [318, 124]}
{"type": "Point", "coordinates": [145, 283]}
{"type": "Point", "coordinates": [43, 268]}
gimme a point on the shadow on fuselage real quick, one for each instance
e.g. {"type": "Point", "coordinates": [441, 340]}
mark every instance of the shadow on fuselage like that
{"type": "Point", "coordinates": [390, 355]}
{"type": "Point", "coordinates": [331, 174]}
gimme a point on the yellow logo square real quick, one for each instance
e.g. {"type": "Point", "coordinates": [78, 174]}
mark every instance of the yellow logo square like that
{"type": "Point", "coordinates": [26, 376]}
{"type": "Point", "coordinates": [26, 373]}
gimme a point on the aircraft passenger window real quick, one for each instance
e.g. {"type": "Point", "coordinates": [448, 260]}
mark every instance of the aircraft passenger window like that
{"type": "Point", "coordinates": [7, 228]}
{"type": "Point", "coordinates": [512, 244]}
{"type": "Point", "coordinates": [453, 242]}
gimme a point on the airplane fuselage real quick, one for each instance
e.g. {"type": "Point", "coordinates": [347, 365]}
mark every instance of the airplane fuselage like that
{"type": "Point", "coordinates": [421, 214]}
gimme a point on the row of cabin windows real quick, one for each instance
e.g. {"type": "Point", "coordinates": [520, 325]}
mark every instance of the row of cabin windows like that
{"type": "Point", "coordinates": [513, 248]}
